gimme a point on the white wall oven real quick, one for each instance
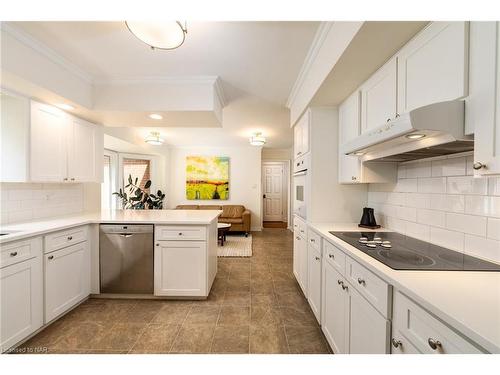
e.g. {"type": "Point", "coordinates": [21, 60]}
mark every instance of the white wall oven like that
{"type": "Point", "coordinates": [300, 188]}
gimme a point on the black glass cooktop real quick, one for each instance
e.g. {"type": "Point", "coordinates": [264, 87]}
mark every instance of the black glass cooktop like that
{"type": "Point", "coordinates": [406, 253]}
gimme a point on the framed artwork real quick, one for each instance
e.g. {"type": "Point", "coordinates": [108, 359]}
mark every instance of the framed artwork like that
{"type": "Point", "coordinates": [207, 177]}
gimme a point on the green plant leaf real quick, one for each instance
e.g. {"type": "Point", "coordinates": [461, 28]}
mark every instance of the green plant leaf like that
{"type": "Point", "coordinates": [130, 179]}
{"type": "Point", "coordinates": [136, 179]}
{"type": "Point", "coordinates": [148, 184]}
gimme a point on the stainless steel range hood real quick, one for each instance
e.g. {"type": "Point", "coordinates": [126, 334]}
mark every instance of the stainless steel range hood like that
{"type": "Point", "coordinates": [434, 130]}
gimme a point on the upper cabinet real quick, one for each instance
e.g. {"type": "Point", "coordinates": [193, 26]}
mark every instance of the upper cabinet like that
{"type": "Point", "coordinates": [378, 97]}
{"type": "Point", "coordinates": [41, 143]}
{"type": "Point", "coordinates": [483, 107]}
{"type": "Point", "coordinates": [301, 135]}
{"type": "Point", "coordinates": [433, 66]}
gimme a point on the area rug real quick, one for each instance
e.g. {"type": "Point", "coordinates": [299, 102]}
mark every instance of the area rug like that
{"type": "Point", "coordinates": [236, 246]}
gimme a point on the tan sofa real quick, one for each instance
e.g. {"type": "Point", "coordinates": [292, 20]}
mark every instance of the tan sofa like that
{"type": "Point", "coordinates": [236, 215]}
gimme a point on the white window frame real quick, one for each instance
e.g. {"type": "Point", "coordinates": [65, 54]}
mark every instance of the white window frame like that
{"type": "Point", "coordinates": [152, 165]}
{"type": "Point", "coordinates": [114, 168]}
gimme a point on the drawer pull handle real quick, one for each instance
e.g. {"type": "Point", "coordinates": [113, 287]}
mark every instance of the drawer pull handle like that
{"type": "Point", "coordinates": [157, 244]}
{"type": "Point", "coordinates": [180, 233]}
{"type": "Point", "coordinates": [361, 281]}
{"type": "Point", "coordinates": [434, 344]}
{"type": "Point", "coordinates": [50, 257]}
{"type": "Point", "coordinates": [478, 165]}
{"type": "Point", "coordinates": [13, 254]}
{"type": "Point", "coordinates": [298, 238]}
{"type": "Point", "coordinates": [331, 256]}
{"type": "Point", "coordinates": [317, 258]}
{"type": "Point", "coordinates": [70, 238]}
{"type": "Point", "coordinates": [340, 282]}
{"type": "Point", "coordinates": [313, 240]}
{"type": "Point", "coordinates": [344, 287]}
{"type": "Point", "coordinates": [396, 343]}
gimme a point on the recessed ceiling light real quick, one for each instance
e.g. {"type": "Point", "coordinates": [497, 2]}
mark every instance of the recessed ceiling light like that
{"type": "Point", "coordinates": [154, 139]}
{"type": "Point", "coordinates": [415, 136]}
{"type": "Point", "coordinates": [257, 139]}
{"type": "Point", "coordinates": [155, 116]}
{"type": "Point", "coordinates": [65, 106]}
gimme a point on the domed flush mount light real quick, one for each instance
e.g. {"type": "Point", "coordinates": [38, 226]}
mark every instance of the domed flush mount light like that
{"type": "Point", "coordinates": [154, 139]}
{"type": "Point", "coordinates": [415, 136]}
{"type": "Point", "coordinates": [159, 34]}
{"type": "Point", "coordinates": [257, 139]}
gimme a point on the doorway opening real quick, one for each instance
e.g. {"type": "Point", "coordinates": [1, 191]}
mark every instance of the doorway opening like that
{"type": "Point", "coordinates": [275, 193]}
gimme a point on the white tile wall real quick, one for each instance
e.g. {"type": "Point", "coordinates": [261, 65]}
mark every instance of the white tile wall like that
{"type": "Point", "coordinates": [24, 201]}
{"type": "Point", "coordinates": [440, 201]}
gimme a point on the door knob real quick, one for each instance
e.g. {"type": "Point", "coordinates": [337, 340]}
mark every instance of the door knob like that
{"type": "Point", "coordinates": [51, 257]}
{"type": "Point", "coordinates": [478, 165]}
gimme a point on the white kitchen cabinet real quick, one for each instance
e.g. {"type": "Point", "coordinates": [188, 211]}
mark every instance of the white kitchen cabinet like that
{"type": "Point", "coordinates": [369, 332]}
{"type": "Point", "coordinates": [424, 332]}
{"type": "Point", "coordinates": [433, 66]}
{"type": "Point", "coordinates": [482, 106]}
{"type": "Point", "coordinates": [180, 268]}
{"type": "Point", "coordinates": [301, 135]}
{"type": "Point", "coordinates": [21, 297]}
{"type": "Point", "coordinates": [67, 279]}
{"type": "Point", "coordinates": [296, 245]}
{"type": "Point", "coordinates": [85, 150]}
{"type": "Point", "coordinates": [302, 264]}
{"type": "Point", "coordinates": [351, 169]}
{"type": "Point", "coordinates": [48, 139]}
{"type": "Point", "coordinates": [379, 97]}
{"type": "Point", "coordinates": [335, 309]}
{"type": "Point", "coordinates": [314, 280]}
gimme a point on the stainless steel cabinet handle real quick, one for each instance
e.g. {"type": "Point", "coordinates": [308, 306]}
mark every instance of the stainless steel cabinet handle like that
{"type": "Point", "coordinates": [312, 240]}
{"type": "Point", "coordinates": [397, 115]}
{"type": "Point", "coordinates": [180, 233]}
{"type": "Point", "coordinates": [396, 343]}
{"type": "Point", "coordinates": [298, 238]}
{"type": "Point", "coordinates": [361, 281]}
{"type": "Point", "coordinates": [388, 120]}
{"type": "Point", "coordinates": [433, 343]}
{"type": "Point", "coordinates": [340, 282]}
{"type": "Point", "coordinates": [331, 256]}
{"type": "Point", "coordinates": [344, 287]}
{"type": "Point", "coordinates": [50, 257]}
{"type": "Point", "coordinates": [72, 179]}
{"type": "Point", "coordinates": [70, 238]}
{"type": "Point", "coordinates": [13, 254]}
{"type": "Point", "coordinates": [478, 165]}
{"type": "Point", "coordinates": [317, 258]}
{"type": "Point", "coordinates": [65, 179]}
{"type": "Point", "coordinates": [126, 235]}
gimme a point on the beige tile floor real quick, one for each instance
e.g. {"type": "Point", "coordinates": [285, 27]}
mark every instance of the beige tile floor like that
{"type": "Point", "coordinates": [255, 306]}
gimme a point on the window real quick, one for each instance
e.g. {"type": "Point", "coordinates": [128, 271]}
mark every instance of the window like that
{"type": "Point", "coordinates": [109, 186]}
{"type": "Point", "coordinates": [137, 168]}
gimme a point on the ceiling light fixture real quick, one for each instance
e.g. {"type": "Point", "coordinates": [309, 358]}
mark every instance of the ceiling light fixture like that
{"type": "Point", "coordinates": [159, 34]}
{"type": "Point", "coordinates": [65, 106]}
{"type": "Point", "coordinates": [257, 139]}
{"type": "Point", "coordinates": [156, 116]}
{"type": "Point", "coordinates": [154, 139]}
{"type": "Point", "coordinates": [415, 136]}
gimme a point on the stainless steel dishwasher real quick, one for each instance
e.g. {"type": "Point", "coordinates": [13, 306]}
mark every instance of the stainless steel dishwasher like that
{"type": "Point", "coordinates": [126, 258]}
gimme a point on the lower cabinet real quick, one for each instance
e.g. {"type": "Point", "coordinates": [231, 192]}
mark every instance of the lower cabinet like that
{"type": "Point", "coordinates": [314, 281]}
{"type": "Point", "coordinates": [180, 268]}
{"type": "Point", "coordinates": [350, 323]}
{"type": "Point", "coordinates": [67, 279]}
{"type": "Point", "coordinates": [21, 298]}
{"type": "Point", "coordinates": [300, 261]}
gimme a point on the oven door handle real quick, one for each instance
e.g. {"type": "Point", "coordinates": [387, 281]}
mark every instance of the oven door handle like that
{"type": "Point", "coordinates": [301, 173]}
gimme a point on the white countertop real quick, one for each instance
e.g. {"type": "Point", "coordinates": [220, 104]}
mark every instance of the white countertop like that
{"type": "Point", "coordinates": [466, 300]}
{"type": "Point", "coordinates": [171, 217]}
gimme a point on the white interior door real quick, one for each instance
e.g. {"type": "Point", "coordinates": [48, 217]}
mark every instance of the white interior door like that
{"type": "Point", "coordinates": [272, 177]}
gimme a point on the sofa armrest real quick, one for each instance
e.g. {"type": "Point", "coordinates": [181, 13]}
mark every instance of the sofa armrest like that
{"type": "Point", "coordinates": [247, 217]}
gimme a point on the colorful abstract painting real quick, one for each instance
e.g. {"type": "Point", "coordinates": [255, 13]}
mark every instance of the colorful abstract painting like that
{"type": "Point", "coordinates": [207, 177]}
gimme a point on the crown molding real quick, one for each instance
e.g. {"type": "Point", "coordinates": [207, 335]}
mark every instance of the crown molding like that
{"type": "Point", "coordinates": [317, 43]}
{"type": "Point", "coordinates": [44, 50]}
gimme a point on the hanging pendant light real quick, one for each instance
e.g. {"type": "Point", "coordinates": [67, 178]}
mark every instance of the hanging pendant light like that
{"type": "Point", "coordinates": [154, 139]}
{"type": "Point", "coordinates": [159, 34]}
{"type": "Point", "coordinates": [257, 139]}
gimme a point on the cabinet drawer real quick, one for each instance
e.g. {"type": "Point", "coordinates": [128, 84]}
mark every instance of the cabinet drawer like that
{"type": "Point", "coordinates": [18, 251]}
{"type": "Point", "coordinates": [300, 227]}
{"type": "Point", "coordinates": [372, 287]}
{"type": "Point", "coordinates": [425, 332]}
{"type": "Point", "coordinates": [180, 232]}
{"type": "Point", "coordinates": [59, 240]}
{"type": "Point", "coordinates": [334, 256]}
{"type": "Point", "coordinates": [314, 240]}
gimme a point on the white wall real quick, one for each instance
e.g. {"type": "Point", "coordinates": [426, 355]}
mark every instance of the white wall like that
{"type": "Point", "coordinates": [276, 154]}
{"type": "Point", "coordinates": [244, 177]}
{"type": "Point", "coordinates": [440, 201]}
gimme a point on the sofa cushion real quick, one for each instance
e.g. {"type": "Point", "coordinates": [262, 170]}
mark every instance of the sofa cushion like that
{"type": "Point", "coordinates": [187, 207]}
{"type": "Point", "coordinates": [232, 211]}
{"type": "Point", "coordinates": [210, 207]}
{"type": "Point", "coordinates": [231, 220]}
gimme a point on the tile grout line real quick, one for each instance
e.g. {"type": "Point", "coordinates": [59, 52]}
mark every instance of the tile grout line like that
{"type": "Point", "coordinates": [180, 328]}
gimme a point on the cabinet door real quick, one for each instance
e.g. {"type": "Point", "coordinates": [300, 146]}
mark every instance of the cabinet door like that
{"type": "Point", "coordinates": [180, 268]}
{"type": "Point", "coordinates": [67, 279]}
{"type": "Point", "coordinates": [48, 159]}
{"type": "Point", "coordinates": [296, 250]}
{"type": "Point", "coordinates": [314, 281]}
{"type": "Point", "coordinates": [379, 97]}
{"type": "Point", "coordinates": [433, 66]}
{"type": "Point", "coordinates": [483, 107]}
{"type": "Point", "coordinates": [335, 308]}
{"type": "Point", "coordinates": [400, 345]}
{"type": "Point", "coordinates": [21, 301]}
{"type": "Point", "coordinates": [305, 129]}
{"type": "Point", "coordinates": [349, 128]}
{"type": "Point", "coordinates": [303, 265]}
{"type": "Point", "coordinates": [368, 330]}
{"type": "Point", "coordinates": [297, 140]}
{"type": "Point", "coordinates": [83, 151]}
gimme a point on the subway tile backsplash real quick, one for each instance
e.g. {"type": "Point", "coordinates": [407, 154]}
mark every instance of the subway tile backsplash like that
{"type": "Point", "coordinates": [441, 202]}
{"type": "Point", "coordinates": [25, 201]}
